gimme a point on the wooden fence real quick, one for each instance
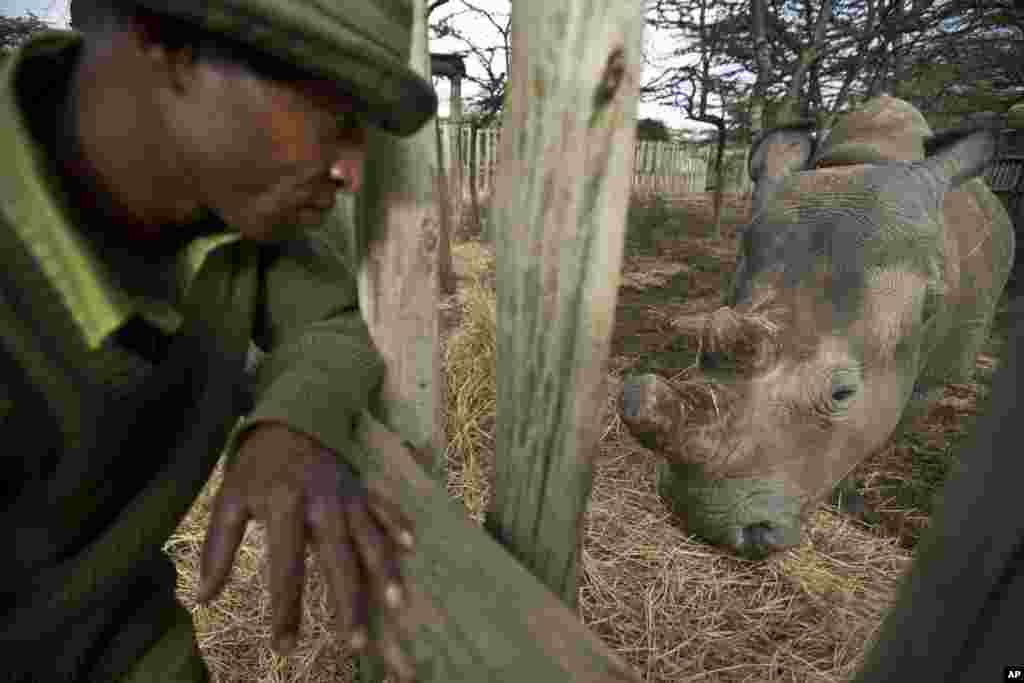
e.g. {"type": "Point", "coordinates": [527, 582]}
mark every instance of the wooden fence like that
{"type": "Point", "coordinates": [671, 169]}
{"type": "Point", "coordinates": [667, 169]}
{"type": "Point", "coordinates": [663, 168]}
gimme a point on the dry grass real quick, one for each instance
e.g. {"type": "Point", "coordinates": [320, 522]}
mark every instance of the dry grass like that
{"type": "Point", "coordinates": [234, 630]}
{"type": "Point", "coordinates": [470, 360]}
{"type": "Point", "coordinates": [677, 609]}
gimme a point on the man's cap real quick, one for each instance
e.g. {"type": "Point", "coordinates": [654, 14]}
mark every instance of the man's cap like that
{"type": "Point", "coordinates": [1015, 117]}
{"type": "Point", "coordinates": [361, 45]}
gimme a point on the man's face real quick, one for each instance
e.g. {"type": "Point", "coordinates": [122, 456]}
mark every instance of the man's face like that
{"type": "Point", "coordinates": [268, 156]}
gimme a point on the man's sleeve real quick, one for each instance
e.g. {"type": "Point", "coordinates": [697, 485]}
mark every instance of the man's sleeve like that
{"type": "Point", "coordinates": [321, 366]}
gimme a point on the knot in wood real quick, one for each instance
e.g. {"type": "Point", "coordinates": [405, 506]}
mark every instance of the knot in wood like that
{"type": "Point", "coordinates": [614, 72]}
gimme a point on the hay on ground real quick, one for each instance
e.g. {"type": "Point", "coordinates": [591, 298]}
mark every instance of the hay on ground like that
{"type": "Point", "coordinates": [470, 353]}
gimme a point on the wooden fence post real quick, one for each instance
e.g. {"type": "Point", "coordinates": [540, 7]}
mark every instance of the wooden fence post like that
{"type": "Point", "coordinates": [559, 212]}
{"type": "Point", "coordinates": [475, 613]}
{"type": "Point", "coordinates": [399, 226]}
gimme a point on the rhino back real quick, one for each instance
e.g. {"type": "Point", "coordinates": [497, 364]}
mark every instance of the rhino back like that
{"type": "Point", "coordinates": [979, 243]}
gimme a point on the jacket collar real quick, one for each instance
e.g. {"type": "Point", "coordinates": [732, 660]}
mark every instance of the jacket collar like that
{"type": "Point", "coordinates": [32, 204]}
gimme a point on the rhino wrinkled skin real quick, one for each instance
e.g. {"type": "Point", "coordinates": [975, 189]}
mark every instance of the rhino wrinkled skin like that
{"type": "Point", "coordinates": [864, 284]}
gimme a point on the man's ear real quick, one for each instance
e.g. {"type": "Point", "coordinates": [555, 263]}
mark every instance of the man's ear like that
{"type": "Point", "coordinates": [776, 153]}
{"type": "Point", "coordinates": [157, 41]}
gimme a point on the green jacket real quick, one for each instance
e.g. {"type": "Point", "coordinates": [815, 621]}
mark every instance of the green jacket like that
{"type": "Point", "coordinates": [117, 394]}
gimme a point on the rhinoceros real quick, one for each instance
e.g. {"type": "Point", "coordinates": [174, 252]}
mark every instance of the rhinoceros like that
{"type": "Point", "coordinates": [867, 279]}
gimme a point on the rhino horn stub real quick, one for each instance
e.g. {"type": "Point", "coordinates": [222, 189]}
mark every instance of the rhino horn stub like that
{"type": "Point", "coordinates": [654, 412]}
{"type": "Point", "coordinates": [745, 340]}
{"type": "Point", "coordinates": [723, 331]}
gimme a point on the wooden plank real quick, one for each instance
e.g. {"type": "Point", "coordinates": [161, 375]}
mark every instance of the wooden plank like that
{"type": "Point", "coordinates": [475, 613]}
{"type": "Point", "coordinates": [559, 211]}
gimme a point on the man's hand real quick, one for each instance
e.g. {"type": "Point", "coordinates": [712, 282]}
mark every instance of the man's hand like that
{"type": "Point", "coordinates": [304, 494]}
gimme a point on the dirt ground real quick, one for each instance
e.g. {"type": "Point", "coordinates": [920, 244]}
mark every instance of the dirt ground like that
{"type": "Point", "coordinates": [676, 609]}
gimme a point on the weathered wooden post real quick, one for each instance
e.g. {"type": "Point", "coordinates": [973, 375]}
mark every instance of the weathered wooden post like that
{"type": "Point", "coordinates": [450, 66]}
{"type": "Point", "coordinates": [399, 233]}
{"type": "Point", "coordinates": [475, 614]}
{"type": "Point", "coordinates": [559, 211]}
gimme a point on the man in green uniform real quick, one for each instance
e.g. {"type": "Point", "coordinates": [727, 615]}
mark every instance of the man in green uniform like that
{"type": "Point", "coordinates": [166, 184]}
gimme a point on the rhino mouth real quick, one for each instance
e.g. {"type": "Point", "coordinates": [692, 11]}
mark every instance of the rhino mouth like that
{"type": "Point", "coordinates": [753, 518]}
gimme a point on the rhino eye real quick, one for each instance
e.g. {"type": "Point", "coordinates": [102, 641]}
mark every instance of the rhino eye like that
{"type": "Point", "coordinates": [843, 394]}
{"type": "Point", "coordinates": [713, 360]}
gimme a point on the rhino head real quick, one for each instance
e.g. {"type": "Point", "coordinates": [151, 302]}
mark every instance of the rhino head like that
{"type": "Point", "coordinates": [809, 366]}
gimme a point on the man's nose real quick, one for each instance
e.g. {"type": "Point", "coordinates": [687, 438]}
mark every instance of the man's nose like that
{"type": "Point", "coordinates": [347, 169]}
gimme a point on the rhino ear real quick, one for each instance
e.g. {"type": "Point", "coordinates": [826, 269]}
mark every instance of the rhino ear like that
{"type": "Point", "coordinates": [781, 150]}
{"type": "Point", "coordinates": [957, 155]}
{"type": "Point", "coordinates": [777, 152]}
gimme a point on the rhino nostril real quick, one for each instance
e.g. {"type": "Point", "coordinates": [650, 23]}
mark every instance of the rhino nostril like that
{"type": "Point", "coordinates": [761, 539]}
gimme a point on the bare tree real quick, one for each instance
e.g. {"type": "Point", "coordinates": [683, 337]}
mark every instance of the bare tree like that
{"type": "Point", "coordinates": [16, 30]}
{"type": "Point", "coordinates": [489, 65]}
{"type": "Point", "coordinates": [763, 59]}
{"type": "Point", "coordinates": [705, 82]}
{"type": "Point", "coordinates": [817, 57]}
{"type": "Point", "coordinates": [791, 108]}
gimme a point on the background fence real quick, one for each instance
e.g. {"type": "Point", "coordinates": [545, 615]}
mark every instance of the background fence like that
{"type": "Point", "coordinates": [663, 168]}
{"type": "Point", "coordinates": [670, 169]}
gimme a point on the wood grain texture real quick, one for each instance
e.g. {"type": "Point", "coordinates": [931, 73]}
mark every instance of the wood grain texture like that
{"type": "Point", "coordinates": [475, 614]}
{"type": "Point", "coordinates": [399, 236]}
{"type": "Point", "coordinates": [560, 203]}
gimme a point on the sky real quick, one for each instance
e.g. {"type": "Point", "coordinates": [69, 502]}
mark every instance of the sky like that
{"type": "Point", "coordinates": [55, 12]}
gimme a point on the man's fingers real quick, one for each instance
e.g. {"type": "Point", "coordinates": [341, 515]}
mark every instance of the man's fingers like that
{"type": "Point", "coordinates": [361, 615]}
{"type": "Point", "coordinates": [377, 556]}
{"type": "Point", "coordinates": [340, 567]}
{"type": "Point", "coordinates": [286, 545]}
{"type": "Point", "coordinates": [390, 517]}
{"type": "Point", "coordinates": [223, 535]}
{"type": "Point", "coordinates": [395, 659]}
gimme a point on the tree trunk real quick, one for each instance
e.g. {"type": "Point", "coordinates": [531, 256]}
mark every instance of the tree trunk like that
{"type": "Point", "coordinates": [559, 212]}
{"type": "Point", "coordinates": [764, 65]}
{"type": "Point", "coordinates": [716, 231]}
{"type": "Point", "coordinates": [792, 109]}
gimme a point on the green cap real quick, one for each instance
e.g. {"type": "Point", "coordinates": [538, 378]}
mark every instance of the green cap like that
{"type": "Point", "coordinates": [362, 45]}
{"type": "Point", "coordinates": [1015, 117]}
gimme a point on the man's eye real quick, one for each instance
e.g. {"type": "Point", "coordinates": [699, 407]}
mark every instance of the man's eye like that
{"type": "Point", "coordinates": [349, 124]}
